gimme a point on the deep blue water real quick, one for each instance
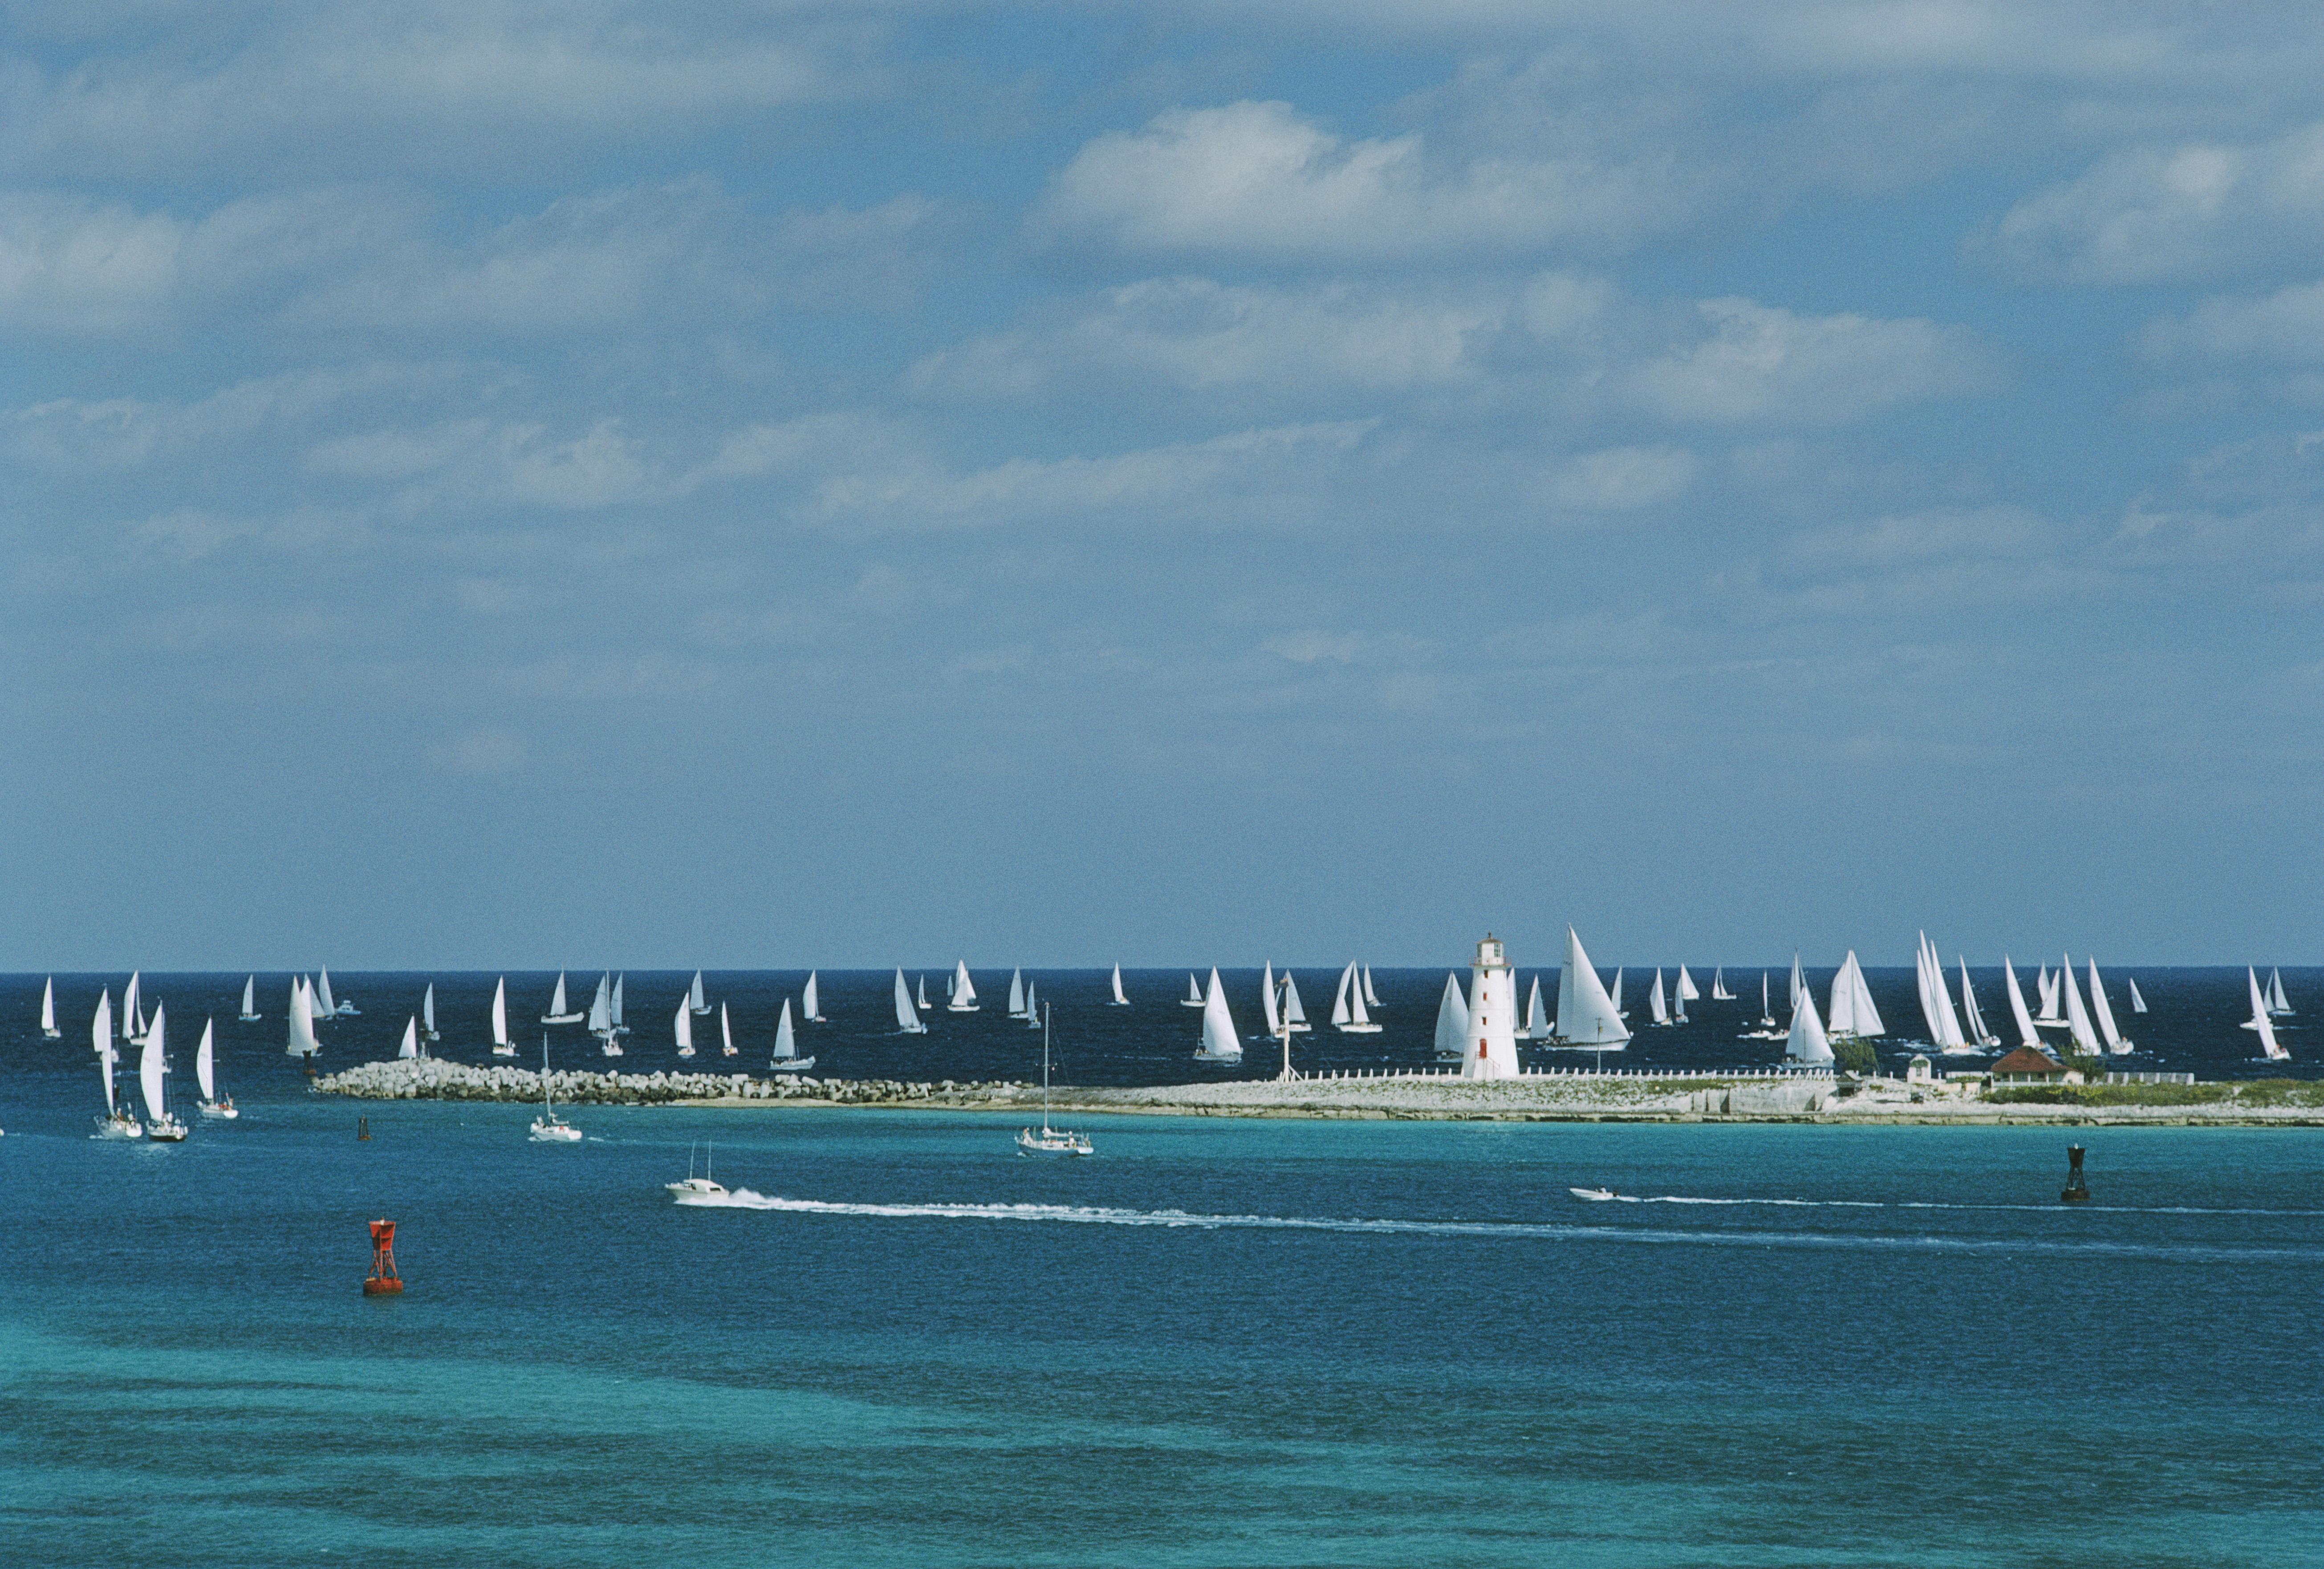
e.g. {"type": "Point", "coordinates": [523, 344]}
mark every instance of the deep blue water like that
{"type": "Point", "coordinates": [1220, 1342]}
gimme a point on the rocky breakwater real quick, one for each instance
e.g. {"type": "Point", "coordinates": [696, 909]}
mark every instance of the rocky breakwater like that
{"type": "Point", "coordinates": [435, 1079]}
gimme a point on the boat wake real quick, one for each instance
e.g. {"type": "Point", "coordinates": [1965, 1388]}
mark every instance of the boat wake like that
{"type": "Point", "coordinates": [1187, 1220]}
{"type": "Point", "coordinates": [1607, 1195]}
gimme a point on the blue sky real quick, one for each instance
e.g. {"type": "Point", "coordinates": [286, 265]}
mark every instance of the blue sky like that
{"type": "Point", "coordinates": [517, 485]}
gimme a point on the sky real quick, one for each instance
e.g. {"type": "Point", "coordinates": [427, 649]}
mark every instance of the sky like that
{"type": "Point", "coordinates": [503, 484]}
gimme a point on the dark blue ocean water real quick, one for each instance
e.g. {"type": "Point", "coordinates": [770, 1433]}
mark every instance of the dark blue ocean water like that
{"type": "Point", "coordinates": [1220, 1342]}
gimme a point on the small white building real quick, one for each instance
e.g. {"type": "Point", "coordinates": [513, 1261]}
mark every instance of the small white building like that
{"type": "Point", "coordinates": [1492, 1050]}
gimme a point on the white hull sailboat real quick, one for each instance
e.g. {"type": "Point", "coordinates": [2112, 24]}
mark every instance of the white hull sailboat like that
{"type": "Point", "coordinates": [549, 1128]}
{"type": "Point", "coordinates": [2026, 1034]}
{"type": "Point", "coordinates": [1016, 993]}
{"type": "Point", "coordinates": [1719, 991]}
{"type": "Point", "coordinates": [1050, 1140]}
{"type": "Point", "coordinates": [1972, 1016]}
{"type": "Point", "coordinates": [1032, 1008]}
{"type": "Point", "coordinates": [963, 994]}
{"type": "Point", "coordinates": [1852, 1015]}
{"type": "Point", "coordinates": [1268, 1005]}
{"type": "Point", "coordinates": [1371, 998]}
{"type": "Point", "coordinates": [1806, 1042]}
{"type": "Point", "coordinates": [907, 1017]}
{"type": "Point", "coordinates": [1219, 1043]}
{"type": "Point", "coordinates": [787, 1059]}
{"type": "Point", "coordinates": [427, 1015]}
{"type": "Point", "coordinates": [1937, 1003]}
{"type": "Point", "coordinates": [250, 1001]}
{"type": "Point", "coordinates": [49, 1030]}
{"type": "Point", "coordinates": [502, 1044]}
{"type": "Point", "coordinates": [1452, 1041]}
{"type": "Point", "coordinates": [726, 1030]}
{"type": "Point", "coordinates": [2117, 1043]}
{"type": "Point", "coordinates": [2138, 1003]}
{"type": "Point", "coordinates": [409, 1046]}
{"type": "Point", "coordinates": [212, 1104]}
{"type": "Point", "coordinates": [696, 999]}
{"type": "Point", "coordinates": [2277, 1002]}
{"type": "Point", "coordinates": [923, 1003]}
{"type": "Point", "coordinates": [601, 1016]}
{"type": "Point", "coordinates": [1589, 1018]}
{"type": "Point", "coordinates": [1119, 998]}
{"type": "Point", "coordinates": [1658, 1009]}
{"type": "Point", "coordinates": [1294, 1013]}
{"type": "Point", "coordinates": [302, 1041]}
{"type": "Point", "coordinates": [684, 1029]}
{"type": "Point", "coordinates": [116, 1123]}
{"type": "Point", "coordinates": [2260, 1023]}
{"type": "Point", "coordinates": [810, 1009]}
{"type": "Point", "coordinates": [1349, 1014]}
{"type": "Point", "coordinates": [1193, 997]}
{"type": "Point", "coordinates": [615, 1011]}
{"type": "Point", "coordinates": [153, 1082]}
{"type": "Point", "coordinates": [559, 1012]}
{"type": "Point", "coordinates": [1536, 1024]}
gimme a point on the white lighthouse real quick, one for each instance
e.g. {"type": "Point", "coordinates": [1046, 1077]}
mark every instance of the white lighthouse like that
{"type": "Point", "coordinates": [1492, 1051]}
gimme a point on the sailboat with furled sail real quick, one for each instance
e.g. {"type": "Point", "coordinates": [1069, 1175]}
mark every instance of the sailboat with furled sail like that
{"type": "Point", "coordinates": [502, 1044]}
{"type": "Point", "coordinates": [1766, 1030]}
{"type": "Point", "coordinates": [116, 1123]}
{"type": "Point", "coordinates": [559, 1012]}
{"type": "Point", "coordinates": [154, 1081]}
{"type": "Point", "coordinates": [212, 1104]}
{"type": "Point", "coordinates": [810, 1004]}
{"type": "Point", "coordinates": [1120, 999]}
{"type": "Point", "coordinates": [1052, 1141]}
{"type": "Point", "coordinates": [250, 1001]}
{"type": "Point", "coordinates": [1218, 1043]}
{"type": "Point", "coordinates": [49, 1030]}
{"type": "Point", "coordinates": [907, 1017]}
{"type": "Point", "coordinates": [549, 1128]}
{"type": "Point", "coordinates": [787, 1059]}
{"type": "Point", "coordinates": [1452, 1022]}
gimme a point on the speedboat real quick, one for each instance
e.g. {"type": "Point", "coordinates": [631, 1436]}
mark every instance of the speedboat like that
{"type": "Point", "coordinates": [1599, 1194]}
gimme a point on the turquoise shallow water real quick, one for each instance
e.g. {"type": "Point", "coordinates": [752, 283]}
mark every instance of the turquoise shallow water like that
{"type": "Point", "coordinates": [1218, 1344]}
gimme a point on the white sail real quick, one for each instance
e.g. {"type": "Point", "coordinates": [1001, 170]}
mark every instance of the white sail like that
{"type": "Point", "coordinates": [908, 1018]}
{"type": "Point", "coordinates": [1294, 1013]}
{"type": "Point", "coordinates": [1266, 1000]}
{"type": "Point", "coordinates": [1972, 1016]}
{"type": "Point", "coordinates": [2261, 1022]}
{"type": "Point", "coordinates": [1371, 998]}
{"type": "Point", "coordinates": [694, 998]}
{"type": "Point", "coordinates": [1032, 1006]}
{"type": "Point", "coordinates": [500, 1012]}
{"type": "Point", "coordinates": [808, 1010]}
{"type": "Point", "coordinates": [1340, 1016]}
{"type": "Point", "coordinates": [1586, 1015]}
{"type": "Point", "coordinates": [151, 1067]}
{"type": "Point", "coordinates": [726, 1027]}
{"type": "Point", "coordinates": [1219, 1043]}
{"type": "Point", "coordinates": [2138, 1003]}
{"type": "Point", "coordinates": [684, 1027]}
{"type": "Point", "coordinates": [1807, 1041]}
{"type": "Point", "coordinates": [1016, 993]}
{"type": "Point", "coordinates": [1616, 997]}
{"type": "Point", "coordinates": [49, 1007]}
{"type": "Point", "coordinates": [2104, 1012]}
{"type": "Point", "coordinates": [2078, 1018]}
{"type": "Point", "coordinates": [1656, 1009]}
{"type": "Point", "coordinates": [785, 1046]}
{"type": "Point", "coordinates": [1719, 991]}
{"type": "Point", "coordinates": [557, 1005]}
{"type": "Point", "coordinates": [1120, 999]}
{"type": "Point", "coordinates": [1851, 1013]}
{"type": "Point", "coordinates": [250, 999]}
{"type": "Point", "coordinates": [1936, 1001]}
{"type": "Point", "coordinates": [601, 1006]}
{"type": "Point", "coordinates": [1684, 991]}
{"type": "Point", "coordinates": [2046, 985]}
{"type": "Point", "coordinates": [614, 1007]}
{"type": "Point", "coordinates": [427, 1011]}
{"type": "Point", "coordinates": [323, 998]}
{"type": "Point", "coordinates": [1537, 1027]}
{"type": "Point", "coordinates": [1193, 997]}
{"type": "Point", "coordinates": [205, 1063]}
{"type": "Point", "coordinates": [1867, 1016]}
{"type": "Point", "coordinates": [132, 1013]}
{"type": "Point", "coordinates": [1452, 1022]}
{"type": "Point", "coordinates": [100, 1029]}
{"type": "Point", "coordinates": [302, 1042]}
{"type": "Point", "coordinates": [2277, 1002]}
{"type": "Point", "coordinates": [963, 993]}
{"type": "Point", "coordinates": [1799, 980]}
{"type": "Point", "coordinates": [2026, 1034]}
{"type": "Point", "coordinates": [1360, 1022]}
{"type": "Point", "coordinates": [1766, 1009]}
{"type": "Point", "coordinates": [410, 1046]}
{"type": "Point", "coordinates": [316, 1011]}
{"type": "Point", "coordinates": [923, 994]}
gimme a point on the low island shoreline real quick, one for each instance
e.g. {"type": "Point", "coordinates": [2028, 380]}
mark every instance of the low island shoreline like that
{"type": "Point", "coordinates": [1583, 1097]}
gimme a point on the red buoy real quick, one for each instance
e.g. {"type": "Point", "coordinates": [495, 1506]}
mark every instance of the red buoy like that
{"type": "Point", "coordinates": [382, 1280]}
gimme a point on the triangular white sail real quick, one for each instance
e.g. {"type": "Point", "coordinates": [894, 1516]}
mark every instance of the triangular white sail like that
{"type": "Point", "coordinates": [1294, 1013]}
{"type": "Point", "coordinates": [205, 1063]}
{"type": "Point", "coordinates": [785, 1045]}
{"type": "Point", "coordinates": [2277, 1002]}
{"type": "Point", "coordinates": [1936, 1001]}
{"type": "Point", "coordinates": [1615, 996]}
{"type": "Point", "coordinates": [1852, 1012]}
{"type": "Point", "coordinates": [427, 1011]}
{"type": "Point", "coordinates": [1799, 980]}
{"type": "Point", "coordinates": [1537, 1027]}
{"type": "Point", "coordinates": [49, 1007]}
{"type": "Point", "coordinates": [808, 1010]}
{"type": "Point", "coordinates": [1193, 997]}
{"type": "Point", "coordinates": [500, 1013]}
{"type": "Point", "coordinates": [410, 1045]}
{"type": "Point", "coordinates": [694, 998]}
{"type": "Point", "coordinates": [964, 991]}
{"type": "Point", "coordinates": [316, 1011]}
{"type": "Point", "coordinates": [1766, 1009]}
{"type": "Point", "coordinates": [1032, 1006]}
{"type": "Point", "coordinates": [1266, 1000]}
{"type": "Point", "coordinates": [1586, 1014]}
{"type": "Point", "coordinates": [614, 1007]}
{"type": "Point", "coordinates": [683, 1028]}
{"type": "Point", "coordinates": [2026, 1034]}
{"type": "Point", "coordinates": [2261, 1022]}
{"type": "Point", "coordinates": [2046, 986]}
{"type": "Point", "coordinates": [249, 1000]}
{"type": "Point", "coordinates": [132, 1012]}
{"type": "Point", "coordinates": [601, 1007]}
{"type": "Point", "coordinates": [151, 1066]}
{"type": "Point", "coordinates": [2103, 1010]}
{"type": "Point", "coordinates": [1684, 991]}
{"type": "Point", "coordinates": [302, 1042]}
{"type": "Point", "coordinates": [1219, 1042]}
{"type": "Point", "coordinates": [1719, 991]}
{"type": "Point", "coordinates": [923, 994]}
{"type": "Point", "coordinates": [1340, 1016]}
{"type": "Point", "coordinates": [557, 1005]}
{"type": "Point", "coordinates": [1120, 999]}
{"type": "Point", "coordinates": [1656, 1009]}
{"type": "Point", "coordinates": [323, 998]}
{"type": "Point", "coordinates": [1361, 1019]}
{"type": "Point", "coordinates": [1016, 993]}
{"type": "Point", "coordinates": [907, 1017]}
{"type": "Point", "coordinates": [2078, 1018]}
{"type": "Point", "coordinates": [100, 1035]}
{"type": "Point", "coordinates": [1807, 1041]}
{"type": "Point", "coordinates": [1452, 1022]}
{"type": "Point", "coordinates": [2138, 1003]}
{"type": "Point", "coordinates": [1371, 998]}
{"type": "Point", "coordinates": [726, 1027]}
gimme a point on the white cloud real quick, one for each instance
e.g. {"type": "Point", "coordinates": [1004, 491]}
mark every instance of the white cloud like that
{"type": "Point", "coordinates": [1757, 362]}
{"type": "Point", "coordinates": [1623, 478]}
{"type": "Point", "coordinates": [73, 263]}
{"type": "Point", "coordinates": [1309, 647]}
{"type": "Point", "coordinates": [2286, 328]}
{"type": "Point", "coordinates": [485, 751]}
{"type": "Point", "coordinates": [1257, 180]}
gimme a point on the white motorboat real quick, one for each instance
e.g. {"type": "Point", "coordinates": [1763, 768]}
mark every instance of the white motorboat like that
{"type": "Point", "coordinates": [549, 1128]}
{"type": "Point", "coordinates": [1596, 1195]}
{"type": "Point", "coordinates": [212, 1104]}
{"type": "Point", "coordinates": [1050, 1140]}
{"type": "Point", "coordinates": [787, 1059]}
{"type": "Point", "coordinates": [502, 1044]}
{"type": "Point", "coordinates": [696, 1189]}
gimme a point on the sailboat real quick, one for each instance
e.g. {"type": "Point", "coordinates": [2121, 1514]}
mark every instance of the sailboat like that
{"type": "Point", "coordinates": [1052, 1141]}
{"type": "Point", "coordinates": [410, 1044]}
{"type": "Point", "coordinates": [558, 1013]}
{"type": "Point", "coordinates": [787, 1059]}
{"type": "Point", "coordinates": [318, 1011]}
{"type": "Point", "coordinates": [924, 994]}
{"type": "Point", "coordinates": [2078, 1018]}
{"type": "Point", "coordinates": [1267, 1002]}
{"type": "Point", "coordinates": [427, 1014]}
{"type": "Point", "coordinates": [810, 1009]}
{"type": "Point", "coordinates": [212, 1104]}
{"type": "Point", "coordinates": [1218, 1043]}
{"type": "Point", "coordinates": [2138, 1003]}
{"type": "Point", "coordinates": [1766, 1030]}
{"type": "Point", "coordinates": [2119, 1044]}
{"type": "Point", "coordinates": [1452, 1021]}
{"type": "Point", "coordinates": [2277, 1002]}
{"type": "Point", "coordinates": [1294, 1013]}
{"type": "Point", "coordinates": [1936, 1002]}
{"type": "Point", "coordinates": [1016, 993]}
{"type": "Point", "coordinates": [726, 1030]}
{"type": "Point", "coordinates": [1719, 991]}
{"type": "Point", "coordinates": [502, 1044]}
{"type": "Point", "coordinates": [684, 1028]}
{"type": "Point", "coordinates": [2260, 1022]}
{"type": "Point", "coordinates": [116, 1123]}
{"type": "Point", "coordinates": [1658, 1009]}
{"type": "Point", "coordinates": [1587, 1017]}
{"type": "Point", "coordinates": [908, 1018]}
{"type": "Point", "coordinates": [49, 1030]}
{"type": "Point", "coordinates": [1537, 1027]}
{"type": "Point", "coordinates": [1806, 1041]}
{"type": "Point", "coordinates": [697, 1190]}
{"type": "Point", "coordinates": [302, 1041]}
{"type": "Point", "coordinates": [1121, 998]}
{"type": "Point", "coordinates": [601, 1016]}
{"type": "Point", "coordinates": [1371, 998]}
{"type": "Point", "coordinates": [153, 1080]}
{"type": "Point", "coordinates": [1348, 1013]}
{"type": "Point", "coordinates": [1032, 1009]}
{"type": "Point", "coordinates": [1682, 994]}
{"type": "Point", "coordinates": [549, 1128]}
{"type": "Point", "coordinates": [1972, 1016]}
{"type": "Point", "coordinates": [2026, 1034]}
{"type": "Point", "coordinates": [613, 1007]}
{"type": "Point", "coordinates": [1193, 997]}
{"type": "Point", "coordinates": [250, 1001]}
{"type": "Point", "coordinates": [964, 994]}
{"type": "Point", "coordinates": [132, 1014]}
{"type": "Point", "coordinates": [1615, 996]}
{"type": "Point", "coordinates": [694, 999]}
{"type": "Point", "coordinates": [2052, 996]}
{"type": "Point", "coordinates": [1852, 1013]}
{"type": "Point", "coordinates": [341, 1008]}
